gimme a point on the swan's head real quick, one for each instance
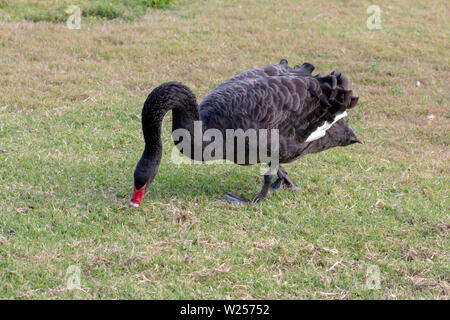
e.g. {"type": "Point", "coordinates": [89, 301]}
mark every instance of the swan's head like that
{"type": "Point", "coordinates": [145, 172]}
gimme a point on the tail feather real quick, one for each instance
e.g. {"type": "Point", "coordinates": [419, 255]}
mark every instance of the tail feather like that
{"type": "Point", "coordinates": [307, 68]}
{"type": "Point", "coordinates": [336, 89]}
{"type": "Point", "coordinates": [335, 98]}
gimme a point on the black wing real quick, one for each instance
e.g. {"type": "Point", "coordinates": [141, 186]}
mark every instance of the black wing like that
{"type": "Point", "coordinates": [291, 100]}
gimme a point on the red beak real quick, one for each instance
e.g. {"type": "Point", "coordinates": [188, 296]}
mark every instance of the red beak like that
{"type": "Point", "coordinates": [137, 196]}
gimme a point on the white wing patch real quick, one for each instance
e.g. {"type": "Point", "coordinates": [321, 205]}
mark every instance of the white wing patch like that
{"type": "Point", "coordinates": [322, 130]}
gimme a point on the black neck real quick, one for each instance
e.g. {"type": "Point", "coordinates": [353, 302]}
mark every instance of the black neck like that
{"type": "Point", "coordinates": [168, 96]}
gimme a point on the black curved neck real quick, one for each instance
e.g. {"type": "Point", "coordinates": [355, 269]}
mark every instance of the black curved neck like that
{"type": "Point", "coordinates": [168, 96]}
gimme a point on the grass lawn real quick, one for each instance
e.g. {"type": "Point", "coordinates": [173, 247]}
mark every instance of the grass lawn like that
{"type": "Point", "coordinates": [59, 10]}
{"type": "Point", "coordinates": [70, 136]}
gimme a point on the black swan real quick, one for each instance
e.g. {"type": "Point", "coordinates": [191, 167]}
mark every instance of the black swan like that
{"type": "Point", "coordinates": [307, 110]}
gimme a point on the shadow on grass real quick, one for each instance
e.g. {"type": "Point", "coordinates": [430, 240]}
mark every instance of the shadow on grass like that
{"type": "Point", "coordinates": [202, 182]}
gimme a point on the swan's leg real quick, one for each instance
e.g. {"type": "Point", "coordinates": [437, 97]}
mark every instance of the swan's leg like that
{"type": "Point", "coordinates": [277, 184]}
{"type": "Point", "coordinates": [288, 183]}
{"type": "Point", "coordinates": [265, 189]}
{"type": "Point", "coordinates": [262, 194]}
{"type": "Point", "coordinates": [283, 179]}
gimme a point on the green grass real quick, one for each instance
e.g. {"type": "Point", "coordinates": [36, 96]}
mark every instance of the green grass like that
{"type": "Point", "coordinates": [59, 11]}
{"type": "Point", "coordinates": [70, 137]}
